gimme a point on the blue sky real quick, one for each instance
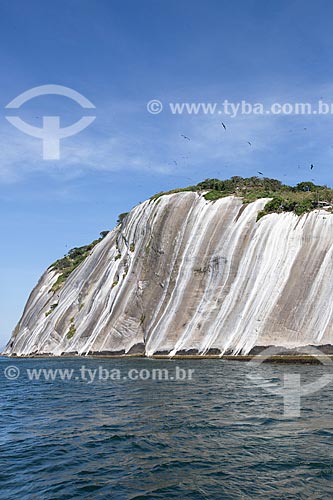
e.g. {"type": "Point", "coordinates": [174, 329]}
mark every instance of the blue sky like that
{"type": "Point", "coordinates": [120, 55]}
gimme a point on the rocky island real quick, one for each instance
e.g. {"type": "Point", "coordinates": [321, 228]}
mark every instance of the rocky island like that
{"type": "Point", "coordinates": [223, 267]}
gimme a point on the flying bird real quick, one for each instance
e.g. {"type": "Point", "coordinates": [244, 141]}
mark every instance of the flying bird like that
{"type": "Point", "coordinates": [185, 137]}
{"type": "Point", "coordinates": [260, 173]}
{"type": "Point", "coordinates": [249, 143]}
{"type": "Point", "coordinates": [225, 128]}
{"type": "Point", "coordinates": [311, 166]}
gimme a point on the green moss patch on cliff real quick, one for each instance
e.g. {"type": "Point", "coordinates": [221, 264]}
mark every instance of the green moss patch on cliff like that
{"type": "Point", "coordinates": [50, 311]}
{"type": "Point", "coordinates": [214, 195]}
{"type": "Point", "coordinates": [72, 260]}
{"type": "Point", "coordinates": [290, 202]}
{"type": "Point", "coordinates": [72, 330]}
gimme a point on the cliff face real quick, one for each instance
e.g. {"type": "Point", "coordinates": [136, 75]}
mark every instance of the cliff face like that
{"type": "Point", "coordinates": [182, 273]}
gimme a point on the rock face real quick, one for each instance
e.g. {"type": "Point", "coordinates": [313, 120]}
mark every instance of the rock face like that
{"type": "Point", "coordinates": [182, 274]}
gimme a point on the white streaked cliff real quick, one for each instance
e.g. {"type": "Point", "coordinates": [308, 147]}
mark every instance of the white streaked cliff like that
{"type": "Point", "coordinates": [183, 273]}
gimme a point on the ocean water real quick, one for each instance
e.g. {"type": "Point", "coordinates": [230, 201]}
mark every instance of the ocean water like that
{"type": "Point", "coordinates": [215, 435]}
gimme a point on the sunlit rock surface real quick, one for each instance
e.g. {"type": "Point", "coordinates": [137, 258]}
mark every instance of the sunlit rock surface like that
{"type": "Point", "coordinates": [183, 274]}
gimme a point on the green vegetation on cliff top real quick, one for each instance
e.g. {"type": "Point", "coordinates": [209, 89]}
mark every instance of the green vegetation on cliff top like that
{"type": "Point", "coordinates": [303, 197]}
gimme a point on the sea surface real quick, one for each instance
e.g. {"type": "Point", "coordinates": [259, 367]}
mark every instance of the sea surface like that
{"type": "Point", "coordinates": [214, 435]}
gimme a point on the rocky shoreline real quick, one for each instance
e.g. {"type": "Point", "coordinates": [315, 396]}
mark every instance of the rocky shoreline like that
{"type": "Point", "coordinates": [283, 355]}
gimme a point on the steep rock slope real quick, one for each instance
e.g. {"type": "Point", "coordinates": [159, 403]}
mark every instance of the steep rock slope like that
{"type": "Point", "coordinates": [185, 274]}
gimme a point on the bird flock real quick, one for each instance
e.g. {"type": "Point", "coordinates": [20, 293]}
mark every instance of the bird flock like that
{"type": "Point", "coordinates": [186, 138]}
